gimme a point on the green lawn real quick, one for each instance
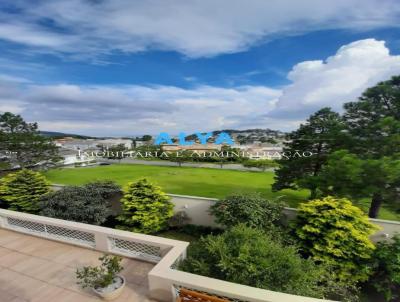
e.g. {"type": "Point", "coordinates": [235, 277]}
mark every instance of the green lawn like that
{"type": "Point", "coordinates": [191, 181]}
{"type": "Point", "coordinates": [181, 180]}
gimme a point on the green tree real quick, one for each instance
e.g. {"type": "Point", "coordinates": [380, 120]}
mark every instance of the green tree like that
{"type": "Point", "coordinates": [386, 267]}
{"type": "Point", "coordinates": [249, 256]}
{"type": "Point", "coordinates": [146, 138]}
{"type": "Point", "coordinates": [86, 204]}
{"type": "Point", "coordinates": [374, 120]}
{"type": "Point", "coordinates": [336, 233]}
{"type": "Point", "coordinates": [250, 209]}
{"type": "Point", "coordinates": [373, 123]}
{"type": "Point", "coordinates": [21, 191]}
{"type": "Point", "coordinates": [347, 175]}
{"type": "Point", "coordinates": [320, 135]}
{"type": "Point", "coordinates": [23, 145]}
{"type": "Point", "coordinates": [179, 157]}
{"type": "Point", "coordinates": [145, 208]}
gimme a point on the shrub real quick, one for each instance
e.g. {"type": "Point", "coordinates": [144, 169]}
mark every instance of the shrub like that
{"type": "Point", "coordinates": [86, 204]}
{"type": "Point", "coordinates": [145, 208]}
{"type": "Point", "coordinates": [199, 230]}
{"type": "Point", "coordinates": [386, 264]}
{"type": "Point", "coordinates": [262, 164]}
{"type": "Point", "coordinates": [250, 209]}
{"type": "Point", "coordinates": [248, 256]}
{"type": "Point", "coordinates": [100, 276]}
{"type": "Point", "coordinates": [178, 220]}
{"type": "Point", "coordinates": [21, 191]}
{"type": "Point", "coordinates": [106, 188]}
{"type": "Point", "coordinates": [336, 233]}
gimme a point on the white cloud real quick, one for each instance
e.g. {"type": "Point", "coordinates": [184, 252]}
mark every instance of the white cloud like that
{"type": "Point", "coordinates": [195, 28]}
{"type": "Point", "coordinates": [129, 109]}
{"type": "Point", "coordinates": [340, 78]}
{"type": "Point", "coordinates": [135, 109]}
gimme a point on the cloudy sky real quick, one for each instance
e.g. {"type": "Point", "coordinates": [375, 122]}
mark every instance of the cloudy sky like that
{"type": "Point", "coordinates": [126, 67]}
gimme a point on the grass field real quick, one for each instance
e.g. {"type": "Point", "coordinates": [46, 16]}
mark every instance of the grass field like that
{"type": "Point", "coordinates": [190, 181]}
{"type": "Point", "coordinates": [180, 180]}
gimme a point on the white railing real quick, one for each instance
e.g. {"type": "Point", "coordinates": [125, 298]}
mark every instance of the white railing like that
{"type": "Point", "coordinates": [139, 246]}
{"type": "Point", "coordinates": [164, 279]}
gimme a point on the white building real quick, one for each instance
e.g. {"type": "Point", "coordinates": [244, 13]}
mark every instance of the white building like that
{"type": "Point", "coordinates": [93, 144]}
{"type": "Point", "coordinates": [74, 157]}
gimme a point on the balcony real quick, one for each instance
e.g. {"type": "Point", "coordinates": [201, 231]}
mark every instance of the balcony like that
{"type": "Point", "coordinates": [36, 269]}
{"type": "Point", "coordinates": [39, 256]}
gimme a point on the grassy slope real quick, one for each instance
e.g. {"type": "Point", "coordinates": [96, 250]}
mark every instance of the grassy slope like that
{"type": "Point", "coordinates": [191, 181]}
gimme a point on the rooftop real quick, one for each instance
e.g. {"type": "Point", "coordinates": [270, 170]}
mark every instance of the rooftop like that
{"type": "Point", "coordinates": [35, 269]}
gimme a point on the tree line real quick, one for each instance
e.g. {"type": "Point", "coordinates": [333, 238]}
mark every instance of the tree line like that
{"type": "Point", "coordinates": [356, 154]}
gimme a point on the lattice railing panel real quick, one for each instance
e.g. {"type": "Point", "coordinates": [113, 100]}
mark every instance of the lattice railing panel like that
{"type": "Point", "coordinates": [53, 232]}
{"type": "Point", "coordinates": [71, 235]}
{"type": "Point", "coordinates": [27, 226]}
{"type": "Point", "coordinates": [135, 249]}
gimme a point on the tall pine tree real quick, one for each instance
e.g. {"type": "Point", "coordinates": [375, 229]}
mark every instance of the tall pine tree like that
{"type": "Point", "coordinates": [21, 144]}
{"type": "Point", "coordinates": [321, 134]}
{"type": "Point", "coordinates": [373, 123]}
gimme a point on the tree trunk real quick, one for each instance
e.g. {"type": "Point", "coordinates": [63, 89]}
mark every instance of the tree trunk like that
{"type": "Point", "coordinates": [376, 203]}
{"type": "Point", "coordinates": [313, 193]}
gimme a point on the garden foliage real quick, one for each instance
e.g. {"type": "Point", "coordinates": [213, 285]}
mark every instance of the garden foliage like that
{"type": "Point", "coordinates": [100, 276]}
{"type": "Point", "coordinates": [145, 208]}
{"type": "Point", "coordinates": [21, 191]}
{"type": "Point", "coordinates": [336, 233]}
{"type": "Point", "coordinates": [262, 164]}
{"type": "Point", "coordinates": [86, 204]}
{"type": "Point", "coordinates": [249, 256]}
{"type": "Point", "coordinates": [386, 263]}
{"type": "Point", "coordinates": [250, 209]}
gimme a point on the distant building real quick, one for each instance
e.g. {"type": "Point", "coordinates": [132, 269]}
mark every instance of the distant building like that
{"type": "Point", "coordinates": [74, 157]}
{"type": "Point", "coordinates": [107, 143]}
{"type": "Point", "coordinates": [76, 144]}
{"type": "Point", "coordinates": [85, 144]}
{"type": "Point", "coordinates": [140, 143]}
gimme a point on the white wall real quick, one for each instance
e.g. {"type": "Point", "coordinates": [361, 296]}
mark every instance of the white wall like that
{"type": "Point", "coordinates": [197, 209]}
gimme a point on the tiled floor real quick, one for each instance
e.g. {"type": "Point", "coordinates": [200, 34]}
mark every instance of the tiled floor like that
{"type": "Point", "coordinates": [35, 269]}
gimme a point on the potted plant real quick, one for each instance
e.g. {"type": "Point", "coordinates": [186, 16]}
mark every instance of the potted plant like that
{"type": "Point", "coordinates": [103, 279]}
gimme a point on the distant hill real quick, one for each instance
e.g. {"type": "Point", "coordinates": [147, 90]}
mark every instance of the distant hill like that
{"type": "Point", "coordinates": [54, 134]}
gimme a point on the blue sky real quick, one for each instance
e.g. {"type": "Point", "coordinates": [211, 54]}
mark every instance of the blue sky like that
{"type": "Point", "coordinates": [133, 67]}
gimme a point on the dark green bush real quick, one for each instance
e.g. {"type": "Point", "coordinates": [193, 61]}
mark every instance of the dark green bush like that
{"type": "Point", "coordinates": [87, 204]}
{"type": "Point", "coordinates": [248, 256]}
{"type": "Point", "coordinates": [250, 209]}
{"type": "Point", "coordinates": [386, 264]}
{"type": "Point", "coordinates": [105, 188]}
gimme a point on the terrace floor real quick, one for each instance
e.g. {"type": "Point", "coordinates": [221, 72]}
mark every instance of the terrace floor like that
{"type": "Point", "coordinates": [36, 269]}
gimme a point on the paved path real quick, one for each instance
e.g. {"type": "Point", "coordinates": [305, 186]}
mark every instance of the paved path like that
{"type": "Point", "coordinates": [35, 269]}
